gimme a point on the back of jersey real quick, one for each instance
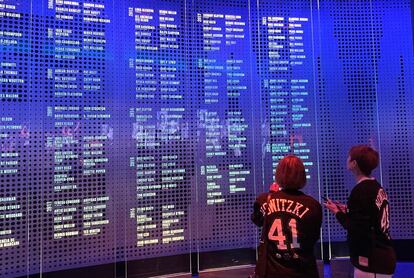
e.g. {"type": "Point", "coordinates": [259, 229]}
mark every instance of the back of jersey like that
{"type": "Point", "coordinates": [291, 229]}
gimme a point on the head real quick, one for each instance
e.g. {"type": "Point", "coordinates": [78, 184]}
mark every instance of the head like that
{"type": "Point", "coordinates": [362, 158]}
{"type": "Point", "coordinates": [290, 173]}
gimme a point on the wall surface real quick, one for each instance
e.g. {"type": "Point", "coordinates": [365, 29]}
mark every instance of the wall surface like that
{"type": "Point", "coordinates": [132, 130]}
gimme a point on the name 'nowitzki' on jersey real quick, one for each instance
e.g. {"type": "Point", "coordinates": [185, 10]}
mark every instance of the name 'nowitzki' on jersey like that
{"type": "Point", "coordinates": [284, 205]}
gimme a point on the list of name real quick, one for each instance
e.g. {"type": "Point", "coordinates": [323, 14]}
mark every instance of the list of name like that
{"type": "Point", "coordinates": [288, 96]}
{"type": "Point", "coordinates": [12, 39]}
{"type": "Point", "coordinates": [222, 116]}
{"type": "Point", "coordinates": [14, 135]}
{"type": "Point", "coordinates": [80, 130]}
{"type": "Point", "coordinates": [158, 122]}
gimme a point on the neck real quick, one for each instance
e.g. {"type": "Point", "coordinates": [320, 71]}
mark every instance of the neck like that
{"type": "Point", "coordinates": [361, 177]}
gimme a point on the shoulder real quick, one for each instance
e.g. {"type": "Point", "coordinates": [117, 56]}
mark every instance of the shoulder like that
{"type": "Point", "coordinates": [363, 195]}
{"type": "Point", "coordinates": [262, 198]}
{"type": "Point", "coordinates": [311, 201]}
{"type": "Point", "coordinates": [315, 209]}
{"type": "Point", "coordinates": [366, 189]}
{"type": "Point", "coordinates": [298, 196]}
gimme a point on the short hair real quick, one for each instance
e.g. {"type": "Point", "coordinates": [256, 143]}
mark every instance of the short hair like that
{"type": "Point", "coordinates": [290, 173]}
{"type": "Point", "coordinates": [366, 157]}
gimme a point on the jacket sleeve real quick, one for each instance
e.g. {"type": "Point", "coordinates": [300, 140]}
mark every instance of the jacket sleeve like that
{"type": "Point", "coordinates": [343, 219]}
{"type": "Point", "coordinates": [357, 217]}
{"type": "Point", "coordinates": [257, 216]}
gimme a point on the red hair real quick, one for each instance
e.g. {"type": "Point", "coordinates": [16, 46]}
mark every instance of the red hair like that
{"type": "Point", "coordinates": [290, 173]}
{"type": "Point", "coordinates": [366, 157]}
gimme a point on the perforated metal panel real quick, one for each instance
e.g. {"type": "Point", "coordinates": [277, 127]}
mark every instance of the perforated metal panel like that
{"type": "Point", "coordinates": [284, 52]}
{"type": "Point", "coordinates": [354, 33]}
{"type": "Point", "coordinates": [20, 142]}
{"type": "Point", "coordinates": [77, 201]}
{"type": "Point", "coordinates": [395, 87]}
{"type": "Point", "coordinates": [132, 130]}
{"type": "Point", "coordinates": [160, 146]}
{"type": "Point", "coordinates": [361, 97]}
{"type": "Point", "coordinates": [225, 166]}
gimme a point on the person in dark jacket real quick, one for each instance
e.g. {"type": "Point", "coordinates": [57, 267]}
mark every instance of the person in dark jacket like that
{"type": "Point", "coordinates": [366, 218]}
{"type": "Point", "coordinates": [291, 222]}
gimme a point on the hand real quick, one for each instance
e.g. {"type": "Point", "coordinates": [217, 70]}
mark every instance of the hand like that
{"type": "Point", "coordinates": [274, 187]}
{"type": "Point", "coordinates": [341, 207]}
{"type": "Point", "coordinates": [334, 206]}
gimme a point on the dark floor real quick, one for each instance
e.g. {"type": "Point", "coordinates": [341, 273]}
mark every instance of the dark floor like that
{"type": "Point", "coordinates": [404, 270]}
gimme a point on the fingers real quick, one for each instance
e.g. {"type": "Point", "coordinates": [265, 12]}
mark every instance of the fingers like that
{"type": "Point", "coordinates": [334, 206]}
{"type": "Point", "coordinates": [342, 208]}
{"type": "Point", "coordinates": [331, 206]}
{"type": "Point", "coordinates": [329, 203]}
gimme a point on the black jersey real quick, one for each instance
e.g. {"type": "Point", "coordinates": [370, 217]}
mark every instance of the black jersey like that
{"type": "Point", "coordinates": [291, 224]}
{"type": "Point", "coordinates": [367, 223]}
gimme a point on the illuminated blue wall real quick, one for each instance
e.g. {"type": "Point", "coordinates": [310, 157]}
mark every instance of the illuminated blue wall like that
{"type": "Point", "coordinates": [132, 130]}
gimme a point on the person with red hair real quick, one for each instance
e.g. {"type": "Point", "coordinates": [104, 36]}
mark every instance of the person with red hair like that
{"type": "Point", "coordinates": [366, 217]}
{"type": "Point", "coordinates": [290, 221]}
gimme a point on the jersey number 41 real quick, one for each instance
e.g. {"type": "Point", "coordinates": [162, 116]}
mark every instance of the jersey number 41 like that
{"type": "Point", "coordinates": [276, 234]}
